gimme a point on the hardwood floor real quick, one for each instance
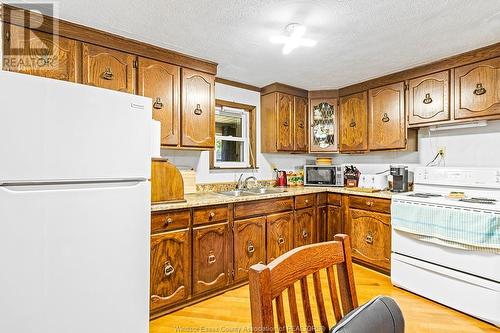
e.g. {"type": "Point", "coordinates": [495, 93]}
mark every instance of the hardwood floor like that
{"type": "Point", "coordinates": [230, 312]}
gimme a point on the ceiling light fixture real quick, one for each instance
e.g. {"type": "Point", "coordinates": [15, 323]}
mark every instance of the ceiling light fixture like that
{"type": "Point", "coordinates": [293, 38]}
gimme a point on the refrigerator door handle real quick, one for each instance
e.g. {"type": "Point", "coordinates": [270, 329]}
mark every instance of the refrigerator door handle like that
{"type": "Point", "coordinates": [61, 186]}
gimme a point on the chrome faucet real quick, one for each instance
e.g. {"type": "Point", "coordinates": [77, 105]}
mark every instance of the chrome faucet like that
{"type": "Point", "coordinates": [244, 184]}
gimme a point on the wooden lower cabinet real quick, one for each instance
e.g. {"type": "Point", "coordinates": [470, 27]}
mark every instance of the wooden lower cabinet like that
{"type": "Point", "coordinates": [334, 222]}
{"type": "Point", "coordinates": [370, 234]}
{"type": "Point", "coordinates": [249, 239]}
{"type": "Point", "coordinates": [170, 271]}
{"type": "Point", "coordinates": [210, 258]}
{"type": "Point", "coordinates": [322, 222]}
{"type": "Point", "coordinates": [279, 234]}
{"type": "Point", "coordinates": [304, 227]}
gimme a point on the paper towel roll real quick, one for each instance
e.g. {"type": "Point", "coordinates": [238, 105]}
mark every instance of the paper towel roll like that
{"type": "Point", "coordinates": [155, 139]}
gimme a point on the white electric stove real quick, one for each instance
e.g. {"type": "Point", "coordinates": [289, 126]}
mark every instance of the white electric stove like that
{"type": "Point", "coordinates": [462, 277]}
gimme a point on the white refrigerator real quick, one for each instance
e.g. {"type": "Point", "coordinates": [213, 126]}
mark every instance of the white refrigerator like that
{"type": "Point", "coordinates": [74, 207]}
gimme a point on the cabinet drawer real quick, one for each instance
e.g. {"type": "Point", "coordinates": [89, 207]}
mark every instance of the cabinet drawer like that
{"type": "Point", "coordinates": [210, 214]}
{"type": "Point", "coordinates": [370, 237]}
{"type": "Point", "coordinates": [304, 201]}
{"type": "Point", "coordinates": [321, 199]}
{"type": "Point", "coordinates": [169, 220]}
{"type": "Point", "coordinates": [334, 199]}
{"type": "Point", "coordinates": [371, 204]}
{"type": "Point", "coordinates": [262, 207]}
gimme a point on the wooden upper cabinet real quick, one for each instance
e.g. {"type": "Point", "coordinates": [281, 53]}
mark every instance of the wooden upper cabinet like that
{"type": "Point", "coordinates": [284, 122]}
{"type": "Point", "coordinates": [300, 123]}
{"type": "Point", "coordinates": [107, 68]}
{"type": "Point", "coordinates": [170, 271]}
{"type": "Point", "coordinates": [353, 123]}
{"type": "Point", "coordinates": [323, 129]}
{"type": "Point", "coordinates": [249, 245]}
{"type": "Point", "coordinates": [477, 89]}
{"type": "Point", "coordinates": [37, 53]}
{"type": "Point", "coordinates": [197, 109]}
{"type": "Point", "coordinates": [210, 258]}
{"type": "Point", "coordinates": [161, 82]}
{"type": "Point", "coordinates": [387, 123]}
{"type": "Point", "coordinates": [429, 98]}
{"type": "Point", "coordinates": [279, 234]}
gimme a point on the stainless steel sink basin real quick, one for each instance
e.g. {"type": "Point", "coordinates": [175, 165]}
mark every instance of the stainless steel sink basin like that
{"type": "Point", "coordinates": [236, 193]}
{"type": "Point", "coordinates": [253, 191]}
{"type": "Point", "coordinates": [266, 190]}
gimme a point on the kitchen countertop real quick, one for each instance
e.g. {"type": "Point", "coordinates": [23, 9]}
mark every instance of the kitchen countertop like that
{"type": "Point", "coordinates": [214, 198]}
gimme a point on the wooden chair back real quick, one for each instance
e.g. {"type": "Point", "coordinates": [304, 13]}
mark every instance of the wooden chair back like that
{"type": "Point", "coordinates": [268, 284]}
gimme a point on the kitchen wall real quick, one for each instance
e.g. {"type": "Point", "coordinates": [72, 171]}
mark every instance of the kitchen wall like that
{"type": "Point", "coordinates": [265, 162]}
{"type": "Point", "coordinates": [477, 147]}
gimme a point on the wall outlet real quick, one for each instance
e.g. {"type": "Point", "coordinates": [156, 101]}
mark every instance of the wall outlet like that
{"type": "Point", "coordinates": [442, 151]}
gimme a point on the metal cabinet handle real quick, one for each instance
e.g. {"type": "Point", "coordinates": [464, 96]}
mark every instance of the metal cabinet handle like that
{"type": "Point", "coordinates": [169, 269]}
{"type": "Point", "coordinates": [198, 111]}
{"type": "Point", "coordinates": [386, 118]}
{"type": "Point", "coordinates": [211, 215]}
{"type": "Point", "coordinates": [480, 90]}
{"type": "Point", "coordinates": [301, 125]}
{"type": "Point", "coordinates": [369, 203]}
{"type": "Point", "coordinates": [353, 123]}
{"type": "Point", "coordinates": [285, 123]}
{"type": "Point", "coordinates": [158, 104]}
{"type": "Point", "coordinates": [307, 201]}
{"type": "Point", "coordinates": [250, 248]}
{"type": "Point", "coordinates": [108, 74]}
{"type": "Point", "coordinates": [369, 239]}
{"type": "Point", "coordinates": [211, 259]}
{"type": "Point", "coordinates": [281, 240]}
{"type": "Point", "coordinates": [304, 233]}
{"type": "Point", "coordinates": [168, 221]}
{"type": "Point", "coordinates": [427, 99]}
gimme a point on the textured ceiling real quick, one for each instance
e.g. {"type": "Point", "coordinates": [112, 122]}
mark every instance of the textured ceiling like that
{"type": "Point", "coordinates": [357, 39]}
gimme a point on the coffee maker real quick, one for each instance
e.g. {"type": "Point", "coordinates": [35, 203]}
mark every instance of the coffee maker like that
{"type": "Point", "coordinates": [400, 179]}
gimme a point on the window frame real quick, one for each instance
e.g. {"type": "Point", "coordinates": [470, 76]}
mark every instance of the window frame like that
{"type": "Point", "coordinates": [248, 112]}
{"type": "Point", "coordinates": [245, 139]}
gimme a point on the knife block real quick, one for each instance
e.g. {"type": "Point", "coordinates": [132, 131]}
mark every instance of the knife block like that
{"type": "Point", "coordinates": [167, 184]}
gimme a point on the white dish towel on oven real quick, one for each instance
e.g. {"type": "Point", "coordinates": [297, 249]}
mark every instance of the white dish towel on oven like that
{"type": "Point", "coordinates": [466, 229]}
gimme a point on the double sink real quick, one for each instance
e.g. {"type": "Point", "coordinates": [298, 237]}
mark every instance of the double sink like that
{"type": "Point", "coordinates": [253, 191]}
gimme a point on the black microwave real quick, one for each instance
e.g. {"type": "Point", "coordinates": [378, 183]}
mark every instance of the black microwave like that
{"type": "Point", "coordinates": [324, 175]}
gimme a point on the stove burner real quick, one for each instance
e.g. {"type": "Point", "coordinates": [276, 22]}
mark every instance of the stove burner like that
{"type": "Point", "coordinates": [480, 201]}
{"type": "Point", "coordinates": [424, 195]}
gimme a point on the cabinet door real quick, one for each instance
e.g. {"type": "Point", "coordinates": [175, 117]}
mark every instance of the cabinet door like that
{"type": "Point", "coordinates": [107, 68]}
{"type": "Point", "coordinates": [334, 222]}
{"type": "Point", "coordinates": [210, 258]}
{"type": "Point", "coordinates": [387, 124]}
{"type": "Point", "coordinates": [300, 123]}
{"type": "Point", "coordinates": [323, 132]}
{"type": "Point", "coordinates": [477, 89]}
{"type": "Point", "coordinates": [353, 123]}
{"type": "Point", "coordinates": [161, 82]}
{"type": "Point", "coordinates": [170, 268]}
{"type": "Point", "coordinates": [429, 98]}
{"type": "Point", "coordinates": [41, 54]}
{"type": "Point", "coordinates": [370, 234]}
{"type": "Point", "coordinates": [304, 227]}
{"type": "Point", "coordinates": [249, 245]}
{"type": "Point", "coordinates": [284, 122]}
{"type": "Point", "coordinates": [322, 222]}
{"type": "Point", "coordinates": [198, 109]}
{"type": "Point", "coordinates": [279, 234]}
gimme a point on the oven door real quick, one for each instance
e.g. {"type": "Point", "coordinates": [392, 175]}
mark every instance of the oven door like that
{"type": "Point", "coordinates": [317, 175]}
